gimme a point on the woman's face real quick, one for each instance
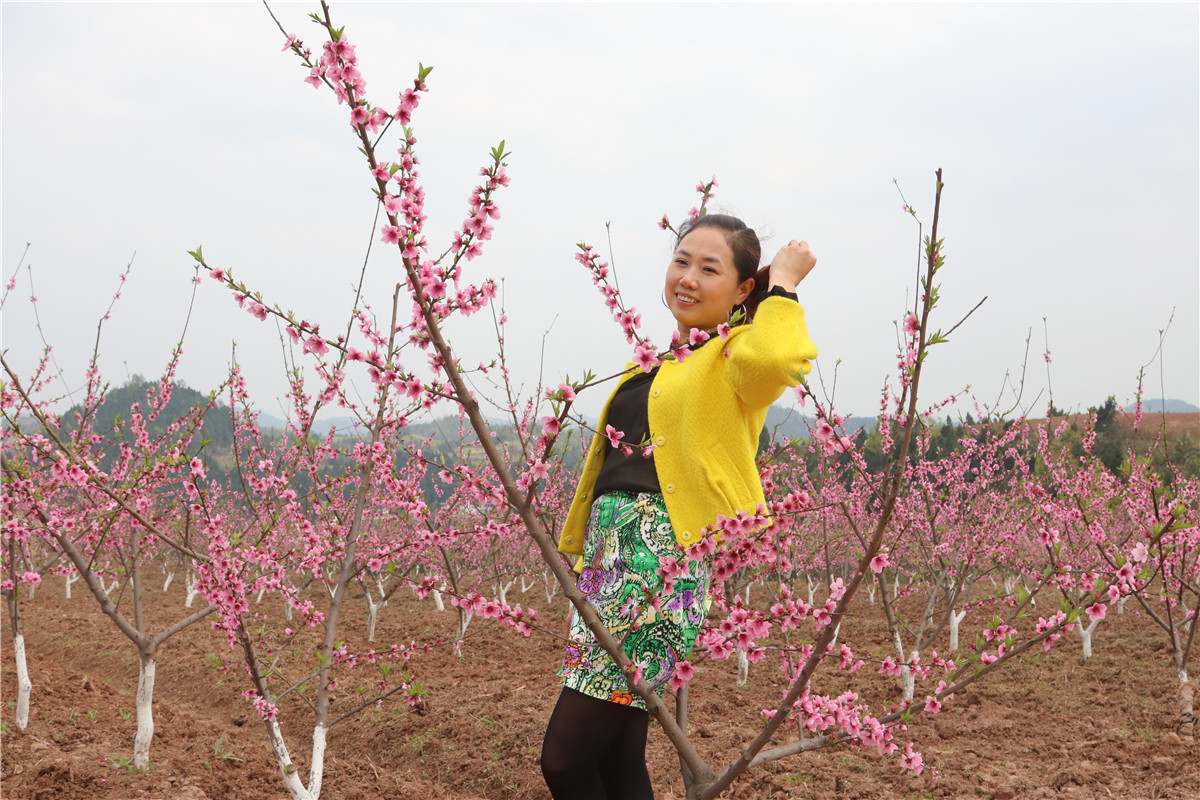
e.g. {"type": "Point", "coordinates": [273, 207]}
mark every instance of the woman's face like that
{"type": "Point", "coordinates": [702, 282]}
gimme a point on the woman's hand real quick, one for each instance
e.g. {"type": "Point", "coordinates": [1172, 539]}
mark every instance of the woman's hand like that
{"type": "Point", "coordinates": [791, 264]}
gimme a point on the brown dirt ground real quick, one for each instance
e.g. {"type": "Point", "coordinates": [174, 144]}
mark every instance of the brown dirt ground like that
{"type": "Point", "coordinates": [1046, 726]}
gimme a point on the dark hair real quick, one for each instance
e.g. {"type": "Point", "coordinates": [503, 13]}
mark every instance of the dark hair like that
{"type": "Point", "coordinates": [747, 253]}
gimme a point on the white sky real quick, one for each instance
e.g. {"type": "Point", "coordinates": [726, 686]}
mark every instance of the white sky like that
{"type": "Point", "coordinates": [1068, 134]}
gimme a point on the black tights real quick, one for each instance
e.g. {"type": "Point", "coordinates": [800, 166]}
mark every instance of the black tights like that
{"type": "Point", "coordinates": [596, 750]}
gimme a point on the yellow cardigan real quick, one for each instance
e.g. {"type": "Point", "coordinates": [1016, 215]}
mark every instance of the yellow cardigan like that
{"type": "Point", "coordinates": [705, 417]}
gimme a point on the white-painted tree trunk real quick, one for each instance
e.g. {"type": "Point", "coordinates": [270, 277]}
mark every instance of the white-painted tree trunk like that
{"type": "Point", "coordinates": [743, 676]}
{"type": "Point", "coordinates": [464, 619]}
{"type": "Point", "coordinates": [167, 582]}
{"type": "Point", "coordinates": [258, 598]}
{"type": "Point", "coordinates": [1085, 634]}
{"type": "Point", "coordinates": [437, 601]}
{"type": "Point", "coordinates": [550, 584]}
{"type": "Point", "coordinates": [747, 595]}
{"type": "Point", "coordinates": [74, 576]}
{"type": "Point", "coordinates": [1121, 604]}
{"type": "Point", "coordinates": [502, 590]}
{"type": "Point", "coordinates": [812, 588]}
{"type": "Point", "coordinates": [291, 776]}
{"type": "Point", "coordinates": [192, 585]}
{"type": "Point", "coordinates": [908, 678]}
{"type": "Point", "coordinates": [32, 591]}
{"type": "Point", "coordinates": [372, 617]}
{"type": "Point", "coordinates": [833, 642]}
{"type": "Point", "coordinates": [287, 609]}
{"type": "Point", "coordinates": [145, 713]}
{"type": "Point", "coordinates": [524, 588]}
{"type": "Point", "coordinates": [317, 770]}
{"type": "Point", "coordinates": [1010, 583]}
{"type": "Point", "coordinates": [24, 685]}
{"type": "Point", "coordinates": [871, 589]}
{"type": "Point", "coordinates": [956, 618]}
{"type": "Point", "coordinates": [908, 682]}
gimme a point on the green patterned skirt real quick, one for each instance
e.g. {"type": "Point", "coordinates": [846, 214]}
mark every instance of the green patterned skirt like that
{"type": "Point", "coordinates": [627, 536]}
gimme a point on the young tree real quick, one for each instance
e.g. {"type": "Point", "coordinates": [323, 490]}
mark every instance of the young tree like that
{"type": "Point", "coordinates": [106, 511]}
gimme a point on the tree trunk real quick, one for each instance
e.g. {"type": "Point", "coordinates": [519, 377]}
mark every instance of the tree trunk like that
{"type": "Point", "coordinates": [956, 618]}
{"type": "Point", "coordinates": [503, 588]}
{"type": "Point", "coordinates": [192, 585]}
{"type": "Point", "coordinates": [1187, 711]}
{"type": "Point", "coordinates": [291, 776]}
{"type": "Point", "coordinates": [24, 685]}
{"type": "Point", "coordinates": [1185, 695]}
{"type": "Point", "coordinates": [1086, 635]}
{"type": "Point", "coordinates": [372, 617]}
{"type": "Point", "coordinates": [464, 619]}
{"type": "Point", "coordinates": [908, 679]}
{"type": "Point", "coordinates": [145, 710]}
{"type": "Point", "coordinates": [316, 770]}
{"type": "Point", "coordinates": [681, 712]}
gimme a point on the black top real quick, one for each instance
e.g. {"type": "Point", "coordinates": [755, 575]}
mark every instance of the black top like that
{"type": "Point", "coordinates": [628, 412]}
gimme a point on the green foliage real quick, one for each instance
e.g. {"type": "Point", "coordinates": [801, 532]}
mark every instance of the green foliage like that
{"type": "Point", "coordinates": [223, 751]}
{"type": "Point", "coordinates": [111, 419]}
{"type": "Point", "coordinates": [1108, 447]}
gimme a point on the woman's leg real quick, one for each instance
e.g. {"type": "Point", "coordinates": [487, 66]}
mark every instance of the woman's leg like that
{"type": "Point", "coordinates": [623, 770]}
{"type": "Point", "coordinates": [595, 750]}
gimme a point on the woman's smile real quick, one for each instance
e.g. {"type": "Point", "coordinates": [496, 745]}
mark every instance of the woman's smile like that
{"type": "Point", "coordinates": [701, 283]}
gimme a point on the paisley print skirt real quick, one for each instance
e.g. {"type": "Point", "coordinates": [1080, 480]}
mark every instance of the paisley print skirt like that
{"type": "Point", "coordinates": [627, 536]}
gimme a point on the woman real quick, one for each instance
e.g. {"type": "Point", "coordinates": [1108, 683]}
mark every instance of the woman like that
{"type": "Point", "coordinates": [677, 450]}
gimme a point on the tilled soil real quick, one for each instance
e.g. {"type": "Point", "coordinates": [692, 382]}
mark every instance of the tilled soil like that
{"type": "Point", "coordinates": [1047, 726]}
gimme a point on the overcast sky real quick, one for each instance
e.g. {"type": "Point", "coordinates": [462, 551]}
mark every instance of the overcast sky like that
{"type": "Point", "coordinates": [1068, 134]}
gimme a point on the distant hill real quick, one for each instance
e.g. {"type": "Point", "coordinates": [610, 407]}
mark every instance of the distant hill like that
{"type": "Point", "coordinates": [791, 423]}
{"type": "Point", "coordinates": [343, 425]}
{"type": "Point", "coordinates": [1158, 405]}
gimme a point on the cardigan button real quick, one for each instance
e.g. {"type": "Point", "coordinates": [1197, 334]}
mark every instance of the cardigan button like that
{"type": "Point", "coordinates": [656, 393]}
{"type": "Point", "coordinates": [569, 539]}
{"type": "Point", "coordinates": [660, 441]}
{"type": "Point", "coordinates": [669, 488]}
